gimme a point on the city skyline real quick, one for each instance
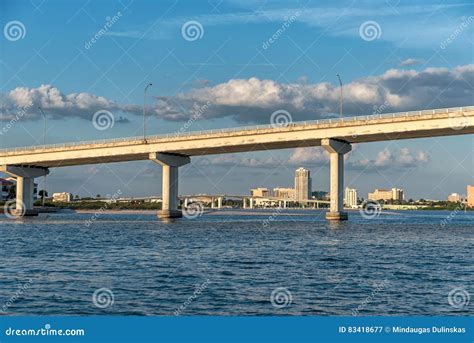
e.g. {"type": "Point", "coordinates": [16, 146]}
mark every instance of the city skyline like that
{"type": "Point", "coordinates": [233, 76]}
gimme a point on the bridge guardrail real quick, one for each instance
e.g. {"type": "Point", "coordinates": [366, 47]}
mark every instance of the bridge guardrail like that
{"type": "Point", "coordinates": [243, 128]}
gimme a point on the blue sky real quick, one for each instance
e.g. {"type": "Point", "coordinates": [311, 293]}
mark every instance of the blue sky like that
{"type": "Point", "coordinates": [413, 55]}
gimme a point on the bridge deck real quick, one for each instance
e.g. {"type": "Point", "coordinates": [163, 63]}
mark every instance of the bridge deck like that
{"type": "Point", "coordinates": [359, 129]}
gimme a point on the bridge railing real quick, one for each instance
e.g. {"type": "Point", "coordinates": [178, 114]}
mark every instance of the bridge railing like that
{"type": "Point", "coordinates": [245, 128]}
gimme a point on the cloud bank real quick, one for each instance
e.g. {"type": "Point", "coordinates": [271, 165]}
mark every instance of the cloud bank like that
{"type": "Point", "coordinates": [253, 100]}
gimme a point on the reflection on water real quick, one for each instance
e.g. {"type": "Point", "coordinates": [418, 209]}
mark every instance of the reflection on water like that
{"type": "Point", "coordinates": [230, 263]}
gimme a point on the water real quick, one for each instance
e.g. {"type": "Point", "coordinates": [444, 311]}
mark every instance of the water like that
{"type": "Point", "coordinates": [399, 263]}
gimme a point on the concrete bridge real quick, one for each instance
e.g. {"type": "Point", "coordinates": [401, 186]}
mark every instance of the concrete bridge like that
{"type": "Point", "coordinates": [172, 151]}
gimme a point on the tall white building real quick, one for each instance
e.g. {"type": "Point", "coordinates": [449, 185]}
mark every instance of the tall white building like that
{"type": "Point", "coordinates": [350, 197]}
{"type": "Point", "coordinates": [302, 184]}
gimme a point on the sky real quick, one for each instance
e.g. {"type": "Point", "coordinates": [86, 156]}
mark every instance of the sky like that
{"type": "Point", "coordinates": [219, 64]}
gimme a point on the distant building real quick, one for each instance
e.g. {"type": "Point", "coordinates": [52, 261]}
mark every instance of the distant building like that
{"type": "Point", "coordinates": [260, 192]}
{"type": "Point", "coordinates": [384, 194]}
{"type": "Point", "coordinates": [62, 197]}
{"type": "Point", "coordinates": [284, 193]}
{"type": "Point", "coordinates": [470, 196]}
{"type": "Point", "coordinates": [350, 197]}
{"type": "Point", "coordinates": [454, 197]}
{"type": "Point", "coordinates": [397, 194]}
{"type": "Point", "coordinates": [320, 195]}
{"type": "Point", "coordinates": [302, 184]}
{"type": "Point", "coordinates": [6, 187]}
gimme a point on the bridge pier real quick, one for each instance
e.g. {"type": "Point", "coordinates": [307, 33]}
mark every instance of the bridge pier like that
{"type": "Point", "coordinates": [25, 185]}
{"type": "Point", "coordinates": [219, 202]}
{"type": "Point", "coordinates": [336, 149]}
{"type": "Point", "coordinates": [170, 164]}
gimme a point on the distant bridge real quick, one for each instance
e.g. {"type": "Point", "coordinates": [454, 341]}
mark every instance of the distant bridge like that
{"type": "Point", "coordinates": [172, 151]}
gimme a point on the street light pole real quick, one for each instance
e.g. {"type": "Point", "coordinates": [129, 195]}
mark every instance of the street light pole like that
{"type": "Point", "coordinates": [340, 97]}
{"type": "Point", "coordinates": [44, 143]}
{"type": "Point", "coordinates": [144, 111]}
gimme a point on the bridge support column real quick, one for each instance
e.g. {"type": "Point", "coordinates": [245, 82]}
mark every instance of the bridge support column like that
{"type": "Point", "coordinates": [25, 186]}
{"type": "Point", "coordinates": [251, 202]}
{"type": "Point", "coordinates": [170, 164]}
{"type": "Point", "coordinates": [219, 202]}
{"type": "Point", "coordinates": [336, 150]}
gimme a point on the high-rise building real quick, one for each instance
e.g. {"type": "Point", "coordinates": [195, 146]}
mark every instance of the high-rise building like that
{"type": "Point", "coordinates": [384, 194]}
{"type": "Point", "coordinates": [470, 196]}
{"type": "Point", "coordinates": [302, 184]}
{"type": "Point", "coordinates": [284, 193]}
{"type": "Point", "coordinates": [350, 197]}
{"type": "Point", "coordinates": [454, 197]}
{"type": "Point", "coordinates": [397, 194]}
{"type": "Point", "coordinates": [260, 192]}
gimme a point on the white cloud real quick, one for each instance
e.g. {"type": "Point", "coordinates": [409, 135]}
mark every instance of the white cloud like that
{"type": "Point", "coordinates": [56, 104]}
{"type": "Point", "coordinates": [410, 62]}
{"type": "Point", "coordinates": [253, 100]}
{"type": "Point", "coordinates": [317, 156]}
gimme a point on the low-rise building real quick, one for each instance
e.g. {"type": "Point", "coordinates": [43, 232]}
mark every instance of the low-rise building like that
{"type": "Point", "coordinates": [386, 194]}
{"type": "Point", "coordinates": [284, 193]}
{"type": "Point", "coordinates": [62, 197]}
{"type": "Point", "coordinates": [6, 188]}
{"type": "Point", "coordinates": [454, 197]}
{"type": "Point", "coordinates": [260, 192]}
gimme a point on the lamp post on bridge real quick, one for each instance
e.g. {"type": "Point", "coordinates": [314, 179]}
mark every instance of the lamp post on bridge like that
{"type": "Point", "coordinates": [44, 143]}
{"type": "Point", "coordinates": [144, 111]}
{"type": "Point", "coordinates": [340, 96]}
